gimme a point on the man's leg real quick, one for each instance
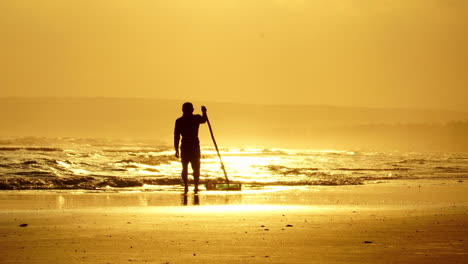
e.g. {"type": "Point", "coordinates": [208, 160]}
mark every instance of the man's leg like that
{"type": "Point", "coordinates": [196, 172]}
{"type": "Point", "coordinates": [184, 174]}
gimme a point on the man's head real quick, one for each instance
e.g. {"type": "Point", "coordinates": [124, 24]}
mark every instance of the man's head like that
{"type": "Point", "coordinates": [187, 108]}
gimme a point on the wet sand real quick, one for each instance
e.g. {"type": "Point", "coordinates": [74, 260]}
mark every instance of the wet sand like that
{"type": "Point", "coordinates": [396, 222]}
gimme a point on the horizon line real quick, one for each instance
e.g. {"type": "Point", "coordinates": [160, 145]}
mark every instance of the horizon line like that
{"type": "Point", "coordinates": [237, 103]}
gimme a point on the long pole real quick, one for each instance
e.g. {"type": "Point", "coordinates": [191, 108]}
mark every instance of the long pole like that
{"type": "Point", "coordinates": [217, 150]}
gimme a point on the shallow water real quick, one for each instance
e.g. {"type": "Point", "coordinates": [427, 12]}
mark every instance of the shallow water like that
{"type": "Point", "coordinates": [77, 164]}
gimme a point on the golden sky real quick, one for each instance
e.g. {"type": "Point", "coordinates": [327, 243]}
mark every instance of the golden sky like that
{"type": "Point", "coordinates": [408, 53]}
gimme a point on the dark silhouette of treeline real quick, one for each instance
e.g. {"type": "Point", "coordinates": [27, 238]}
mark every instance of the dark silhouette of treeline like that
{"type": "Point", "coordinates": [298, 126]}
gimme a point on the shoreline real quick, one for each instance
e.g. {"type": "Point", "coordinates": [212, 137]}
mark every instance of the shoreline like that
{"type": "Point", "coordinates": [396, 192]}
{"type": "Point", "coordinates": [397, 222]}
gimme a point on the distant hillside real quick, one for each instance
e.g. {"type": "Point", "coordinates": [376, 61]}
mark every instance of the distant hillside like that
{"type": "Point", "coordinates": [237, 124]}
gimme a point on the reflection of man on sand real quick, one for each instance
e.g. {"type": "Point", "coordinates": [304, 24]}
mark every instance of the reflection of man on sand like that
{"type": "Point", "coordinates": [184, 199]}
{"type": "Point", "coordinates": [187, 127]}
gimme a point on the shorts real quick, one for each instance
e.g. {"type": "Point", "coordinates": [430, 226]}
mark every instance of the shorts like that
{"type": "Point", "coordinates": [190, 153]}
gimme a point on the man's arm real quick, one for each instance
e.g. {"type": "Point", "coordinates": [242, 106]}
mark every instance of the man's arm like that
{"type": "Point", "coordinates": [176, 140]}
{"type": "Point", "coordinates": [204, 116]}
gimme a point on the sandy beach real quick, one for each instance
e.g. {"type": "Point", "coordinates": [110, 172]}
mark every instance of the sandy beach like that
{"type": "Point", "coordinates": [395, 222]}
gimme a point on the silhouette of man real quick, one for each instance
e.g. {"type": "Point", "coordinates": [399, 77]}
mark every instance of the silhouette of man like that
{"type": "Point", "coordinates": [187, 127]}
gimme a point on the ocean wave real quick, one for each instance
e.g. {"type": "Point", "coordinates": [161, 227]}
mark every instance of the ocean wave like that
{"type": "Point", "coordinates": [102, 182]}
{"type": "Point", "coordinates": [123, 150]}
{"type": "Point", "coordinates": [416, 161]}
{"type": "Point", "coordinates": [340, 153]}
{"type": "Point", "coordinates": [451, 169]}
{"type": "Point", "coordinates": [45, 149]}
{"type": "Point", "coordinates": [149, 160]}
{"type": "Point", "coordinates": [47, 183]}
{"type": "Point", "coordinates": [80, 182]}
{"type": "Point", "coordinates": [30, 162]}
{"type": "Point", "coordinates": [283, 170]}
{"type": "Point", "coordinates": [35, 173]}
{"type": "Point", "coordinates": [37, 167]}
{"type": "Point", "coordinates": [134, 166]}
{"type": "Point", "coordinates": [373, 169]}
{"type": "Point", "coordinates": [274, 152]}
{"type": "Point", "coordinates": [27, 141]}
{"type": "Point", "coordinates": [97, 142]}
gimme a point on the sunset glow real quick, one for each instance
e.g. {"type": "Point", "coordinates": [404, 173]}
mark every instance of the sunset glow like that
{"type": "Point", "coordinates": [233, 131]}
{"type": "Point", "coordinates": [353, 53]}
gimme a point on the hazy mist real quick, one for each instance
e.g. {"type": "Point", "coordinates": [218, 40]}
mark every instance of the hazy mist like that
{"type": "Point", "coordinates": [241, 125]}
{"type": "Point", "coordinates": [362, 53]}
